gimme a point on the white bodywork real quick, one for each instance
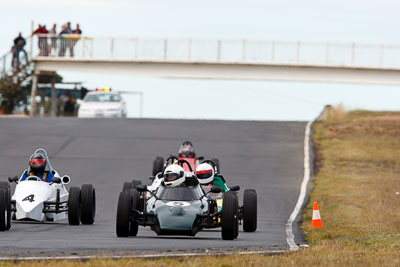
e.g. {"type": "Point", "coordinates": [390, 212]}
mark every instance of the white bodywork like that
{"type": "Point", "coordinates": [30, 196]}
{"type": "Point", "coordinates": [104, 107]}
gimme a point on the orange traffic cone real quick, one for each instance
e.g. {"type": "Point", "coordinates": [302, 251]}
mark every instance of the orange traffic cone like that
{"type": "Point", "coordinates": [316, 217]}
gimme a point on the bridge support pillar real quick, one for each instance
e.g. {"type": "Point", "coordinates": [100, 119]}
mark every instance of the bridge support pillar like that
{"type": "Point", "coordinates": [33, 93]}
{"type": "Point", "coordinates": [53, 110]}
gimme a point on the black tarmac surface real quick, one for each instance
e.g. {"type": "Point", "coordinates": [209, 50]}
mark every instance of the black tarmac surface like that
{"type": "Point", "coordinates": [267, 156]}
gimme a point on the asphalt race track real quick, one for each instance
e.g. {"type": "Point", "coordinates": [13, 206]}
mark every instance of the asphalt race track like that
{"type": "Point", "coordinates": [267, 156]}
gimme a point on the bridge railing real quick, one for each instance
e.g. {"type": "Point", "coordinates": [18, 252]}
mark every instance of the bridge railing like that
{"type": "Point", "coordinates": [202, 50]}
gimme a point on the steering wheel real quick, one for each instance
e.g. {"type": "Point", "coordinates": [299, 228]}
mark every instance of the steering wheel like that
{"type": "Point", "coordinates": [33, 178]}
{"type": "Point", "coordinates": [212, 164]}
{"type": "Point", "coordinates": [182, 161]}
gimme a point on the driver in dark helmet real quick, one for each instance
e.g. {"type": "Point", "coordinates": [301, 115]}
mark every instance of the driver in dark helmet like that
{"type": "Point", "coordinates": [186, 150]}
{"type": "Point", "coordinates": [37, 167]}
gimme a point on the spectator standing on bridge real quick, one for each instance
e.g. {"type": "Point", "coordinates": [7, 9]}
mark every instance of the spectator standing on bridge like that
{"type": "Point", "coordinates": [42, 40]}
{"type": "Point", "coordinates": [77, 32]}
{"type": "Point", "coordinates": [53, 38]}
{"type": "Point", "coordinates": [64, 42]}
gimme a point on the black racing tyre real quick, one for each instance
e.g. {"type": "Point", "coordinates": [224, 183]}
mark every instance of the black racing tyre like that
{"type": "Point", "coordinates": [135, 183]}
{"type": "Point", "coordinates": [229, 216]}
{"type": "Point", "coordinates": [216, 161]}
{"type": "Point", "coordinates": [123, 214]}
{"type": "Point", "coordinates": [88, 199]}
{"type": "Point", "coordinates": [133, 225]}
{"type": "Point", "coordinates": [249, 210]}
{"type": "Point", "coordinates": [6, 187]}
{"type": "Point", "coordinates": [3, 210]}
{"type": "Point", "coordinates": [8, 206]}
{"type": "Point", "coordinates": [74, 205]}
{"type": "Point", "coordinates": [127, 186]}
{"type": "Point", "coordinates": [158, 165]}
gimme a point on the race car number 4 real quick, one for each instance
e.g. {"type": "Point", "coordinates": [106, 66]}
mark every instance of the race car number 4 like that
{"type": "Point", "coordinates": [29, 198]}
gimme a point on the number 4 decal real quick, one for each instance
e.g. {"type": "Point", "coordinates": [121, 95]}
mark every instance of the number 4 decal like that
{"type": "Point", "coordinates": [29, 198]}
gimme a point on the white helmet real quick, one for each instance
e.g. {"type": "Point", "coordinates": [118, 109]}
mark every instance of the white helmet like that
{"type": "Point", "coordinates": [205, 173]}
{"type": "Point", "coordinates": [174, 175]}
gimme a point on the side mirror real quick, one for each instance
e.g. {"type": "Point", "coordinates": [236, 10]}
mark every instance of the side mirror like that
{"type": "Point", "coordinates": [66, 179]}
{"type": "Point", "coordinates": [141, 188]}
{"type": "Point", "coordinates": [13, 180]}
{"type": "Point", "coordinates": [215, 189]}
{"type": "Point", "coordinates": [151, 178]}
{"type": "Point", "coordinates": [56, 180]}
{"type": "Point", "coordinates": [235, 188]}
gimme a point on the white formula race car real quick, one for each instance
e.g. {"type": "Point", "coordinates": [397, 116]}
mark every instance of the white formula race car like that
{"type": "Point", "coordinates": [37, 200]}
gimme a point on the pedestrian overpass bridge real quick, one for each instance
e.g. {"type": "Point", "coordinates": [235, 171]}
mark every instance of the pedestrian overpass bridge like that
{"type": "Point", "coordinates": [208, 58]}
{"type": "Point", "coordinates": [220, 59]}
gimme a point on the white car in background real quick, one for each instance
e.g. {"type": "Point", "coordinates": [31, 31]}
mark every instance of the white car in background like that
{"type": "Point", "coordinates": [101, 104]}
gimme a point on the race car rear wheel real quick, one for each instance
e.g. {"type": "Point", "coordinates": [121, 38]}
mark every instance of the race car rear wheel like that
{"type": "Point", "coordinates": [3, 210]}
{"type": "Point", "coordinates": [127, 186]}
{"type": "Point", "coordinates": [88, 196]}
{"type": "Point", "coordinates": [158, 165]}
{"type": "Point", "coordinates": [133, 225]}
{"type": "Point", "coordinates": [123, 214]}
{"type": "Point", "coordinates": [7, 189]}
{"type": "Point", "coordinates": [74, 205]}
{"type": "Point", "coordinates": [249, 210]}
{"type": "Point", "coordinates": [229, 216]}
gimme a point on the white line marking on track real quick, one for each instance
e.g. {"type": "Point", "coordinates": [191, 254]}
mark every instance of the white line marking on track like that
{"type": "Point", "coordinates": [303, 190]}
{"type": "Point", "coordinates": [145, 256]}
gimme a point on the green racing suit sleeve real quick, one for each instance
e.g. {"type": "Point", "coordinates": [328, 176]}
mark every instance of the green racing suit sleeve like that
{"type": "Point", "coordinates": [218, 181]}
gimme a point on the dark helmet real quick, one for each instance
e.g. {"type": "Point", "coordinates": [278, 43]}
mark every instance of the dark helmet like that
{"type": "Point", "coordinates": [37, 163]}
{"type": "Point", "coordinates": [186, 150]}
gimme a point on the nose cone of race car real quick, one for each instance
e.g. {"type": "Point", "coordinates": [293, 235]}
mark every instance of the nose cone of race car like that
{"type": "Point", "coordinates": [29, 197]}
{"type": "Point", "coordinates": [177, 215]}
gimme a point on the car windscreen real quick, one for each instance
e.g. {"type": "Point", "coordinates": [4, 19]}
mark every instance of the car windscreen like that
{"type": "Point", "coordinates": [103, 98]}
{"type": "Point", "coordinates": [178, 193]}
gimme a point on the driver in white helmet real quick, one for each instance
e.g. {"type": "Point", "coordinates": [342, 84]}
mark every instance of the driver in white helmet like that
{"type": "Point", "coordinates": [174, 175]}
{"type": "Point", "coordinates": [205, 174]}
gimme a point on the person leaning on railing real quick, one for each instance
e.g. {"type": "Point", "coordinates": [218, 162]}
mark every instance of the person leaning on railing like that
{"type": "Point", "coordinates": [74, 39]}
{"type": "Point", "coordinates": [41, 31]}
{"type": "Point", "coordinates": [64, 42]}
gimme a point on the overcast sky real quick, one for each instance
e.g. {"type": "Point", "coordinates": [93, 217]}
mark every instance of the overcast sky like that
{"type": "Point", "coordinates": [318, 20]}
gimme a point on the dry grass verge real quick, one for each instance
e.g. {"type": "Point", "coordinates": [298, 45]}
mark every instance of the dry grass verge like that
{"type": "Point", "coordinates": [359, 173]}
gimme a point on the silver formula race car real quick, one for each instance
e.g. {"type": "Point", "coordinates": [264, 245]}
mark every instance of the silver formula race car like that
{"type": "Point", "coordinates": [37, 200]}
{"type": "Point", "coordinates": [184, 210]}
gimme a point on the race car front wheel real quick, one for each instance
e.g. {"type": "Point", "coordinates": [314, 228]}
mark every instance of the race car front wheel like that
{"type": "Point", "coordinates": [3, 209]}
{"type": "Point", "coordinates": [123, 214]}
{"type": "Point", "coordinates": [74, 205]}
{"type": "Point", "coordinates": [250, 210]}
{"type": "Point", "coordinates": [6, 187]}
{"type": "Point", "coordinates": [229, 216]}
{"type": "Point", "coordinates": [88, 195]}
